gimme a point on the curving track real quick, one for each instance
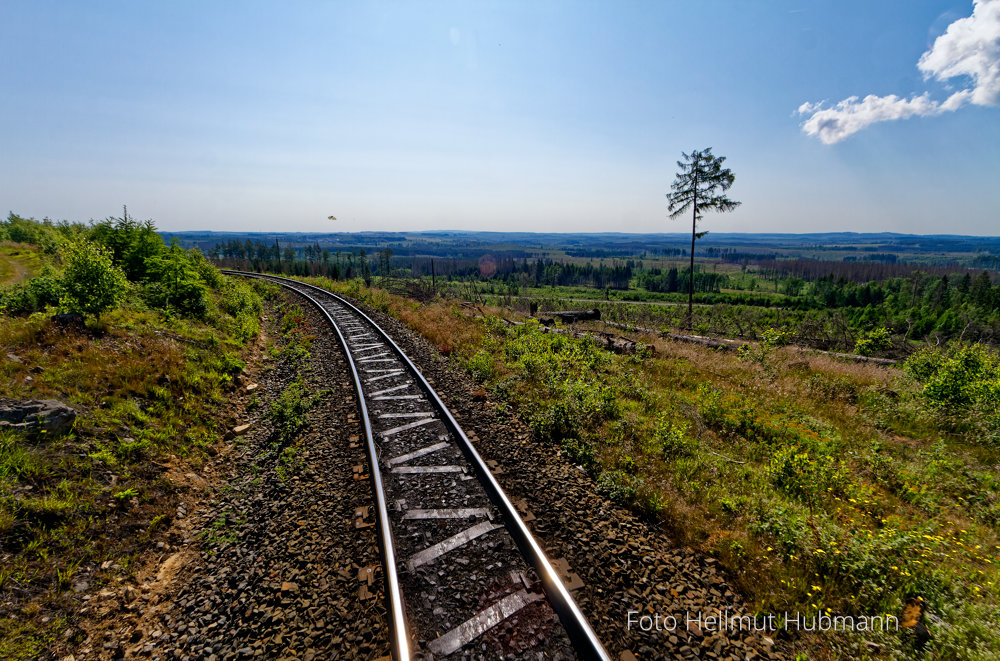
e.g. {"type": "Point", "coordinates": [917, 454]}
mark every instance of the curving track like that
{"type": "Point", "coordinates": [464, 576]}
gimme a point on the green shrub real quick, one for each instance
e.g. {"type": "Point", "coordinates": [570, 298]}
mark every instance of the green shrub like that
{"type": "Point", "coordinates": [958, 377]}
{"type": "Point", "coordinates": [482, 367]}
{"type": "Point", "coordinates": [873, 342]}
{"type": "Point", "coordinates": [240, 301]}
{"type": "Point", "coordinates": [619, 486]}
{"type": "Point", "coordinates": [671, 436]}
{"type": "Point", "coordinates": [133, 244]}
{"type": "Point", "coordinates": [31, 296]}
{"type": "Point", "coordinates": [961, 385]}
{"type": "Point", "coordinates": [91, 283]}
{"type": "Point", "coordinates": [174, 283]}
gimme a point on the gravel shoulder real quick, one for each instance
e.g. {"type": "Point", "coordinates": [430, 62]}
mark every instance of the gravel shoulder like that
{"type": "Point", "coordinates": [268, 556]}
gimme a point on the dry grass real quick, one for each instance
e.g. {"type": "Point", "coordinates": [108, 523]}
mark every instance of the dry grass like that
{"type": "Point", "coordinates": [818, 482]}
{"type": "Point", "coordinates": [145, 387]}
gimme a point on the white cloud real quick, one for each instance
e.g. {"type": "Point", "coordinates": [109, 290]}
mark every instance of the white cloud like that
{"type": "Point", "coordinates": [969, 48]}
{"type": "Point", "coordinates": [851, 115]}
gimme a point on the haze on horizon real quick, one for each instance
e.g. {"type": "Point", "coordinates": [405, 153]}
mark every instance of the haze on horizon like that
{"type": "Point", "coordinates": [510, 116]}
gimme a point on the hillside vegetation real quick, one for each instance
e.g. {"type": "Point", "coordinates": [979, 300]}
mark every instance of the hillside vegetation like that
{"type": "Point", "coordinates": [823, 486]}
{"type": "Point", "coordinates": [148, 368]}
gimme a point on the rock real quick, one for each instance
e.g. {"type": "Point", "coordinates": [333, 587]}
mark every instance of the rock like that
{"type": "Point", "coordinates": [242, 429]}
{"type": "Point", "coordinates": [14, 359]}
{"type": "Point", "coordinates": [46, 415]}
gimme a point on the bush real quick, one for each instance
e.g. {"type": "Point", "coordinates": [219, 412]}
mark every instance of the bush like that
{"type": "Point", "coordinates": [671, 436]}
{"type": "Point", "coordinates": [174, 283]}
{"type": "Point", "coordinates": [873, 342]}
{"type": "Point", "coordinates": [133, 244]}
{"type": "Point", "coordinates": [956, 378]}
{"type": "Point", "coordinates": [619, 486]}
{"type": "Point", "coordinates": [91, 283]}
{"type": "Point", "coordinates": [32, 296]}
{"type": "Point", "coordinates": [482, 367]}
{"type": "Point", "coordinates": [961, 384]}
{"type": "Point", "coordinates": [240, 301]}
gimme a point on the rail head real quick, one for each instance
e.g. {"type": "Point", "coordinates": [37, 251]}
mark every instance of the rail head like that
{"type": "Point", "coordinates": [399, 634]}
{"type": "Point", "coordinates": [585, 641]}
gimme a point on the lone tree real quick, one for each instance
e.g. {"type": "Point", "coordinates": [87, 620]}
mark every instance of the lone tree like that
{"type": "Point", "coordinates": [699, 185]}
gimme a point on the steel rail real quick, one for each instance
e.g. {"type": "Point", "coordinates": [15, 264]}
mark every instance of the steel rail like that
{"type": "Point", "coordinates": [585, 641]}
{"type": "Point", "coordinates": [399, 634]}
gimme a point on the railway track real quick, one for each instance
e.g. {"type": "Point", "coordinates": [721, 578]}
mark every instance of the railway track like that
{"type": "Point", "coordinates": [464, 578]}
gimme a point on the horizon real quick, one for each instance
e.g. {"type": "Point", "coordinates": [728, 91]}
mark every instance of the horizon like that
{"type": "Point", "coordinates": [563, 116]}
{"type": "Point", "coordinates": [683, 235]}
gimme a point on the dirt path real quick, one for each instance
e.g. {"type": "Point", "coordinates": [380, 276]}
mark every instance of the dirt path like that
{"type": "Point", "coordinates": [12, 270]}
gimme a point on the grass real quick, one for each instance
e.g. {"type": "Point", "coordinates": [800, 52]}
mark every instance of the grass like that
{"type": "Point", "coordinates": [18, 262]}
{"type": "Point", "coordinates": [222, 531]}
{"type": "Point", "coordinates": [820, 485]}
{"type": "Point", "coordinates": [147, 386]}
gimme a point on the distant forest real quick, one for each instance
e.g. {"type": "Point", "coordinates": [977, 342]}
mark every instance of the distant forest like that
{"type": "Point", "coordinates": [870, 288]}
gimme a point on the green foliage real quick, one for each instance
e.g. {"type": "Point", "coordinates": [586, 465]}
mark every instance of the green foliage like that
{"type": "Point", "coordinates": [288, 462]}
{"type": "Point", "coordinates": [91, 283]}
{"type": "Point", "coordinates": [175, 283]}
{"type": "Point", "coordinates": [222, 531]}
{"type": "Point", "coordinates": [619, 486]}
{"type": "Point", "coordinates": [171, 279]}
{"type": "Point", "coordinates": [288, 411]}
{"type": "Point", "coordinates": [874, 341]}
{"type": "Point", "coordinates": [45, 234]}
{"type": "Point", "coordinates": [961, 383]}
{"type": "Point", "coordinates": [134, 245]}
{"type": "Point", "coordinates": [481, 366]}
{"type": "Point", "coordinates": [17, 460]}
{"type": "Point", "coordinates": [149, 385]}
{"type": "Point", "coordinates": [125, 495]}
{"type": "Point", "coordinates": [671, 436]}
{"type": "Point", "coordinates": [700, 185]}
{"type": "Point", "coordinates": [771, 338]}
{"type": "Point", "coordinates": [958, 377]}
{"type": "Point", "coordinates": [34, 295]}
{"type": "Point", "coordinates": [775, 337]}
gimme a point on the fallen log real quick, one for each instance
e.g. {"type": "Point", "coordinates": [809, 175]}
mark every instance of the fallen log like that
{"type": "Point", "coordinates": [570, 316]}
{"type": "Point", "coordinates": [730, 345]}
{"type": "Point", "coordinates": [613, 343]}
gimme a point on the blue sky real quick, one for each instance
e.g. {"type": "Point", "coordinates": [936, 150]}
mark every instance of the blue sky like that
{"type": "Point", "coordinates": [547, 116]}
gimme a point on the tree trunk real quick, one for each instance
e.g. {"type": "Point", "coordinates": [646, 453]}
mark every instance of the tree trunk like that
{"type": "Point", "coordinates": [694, 224]}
